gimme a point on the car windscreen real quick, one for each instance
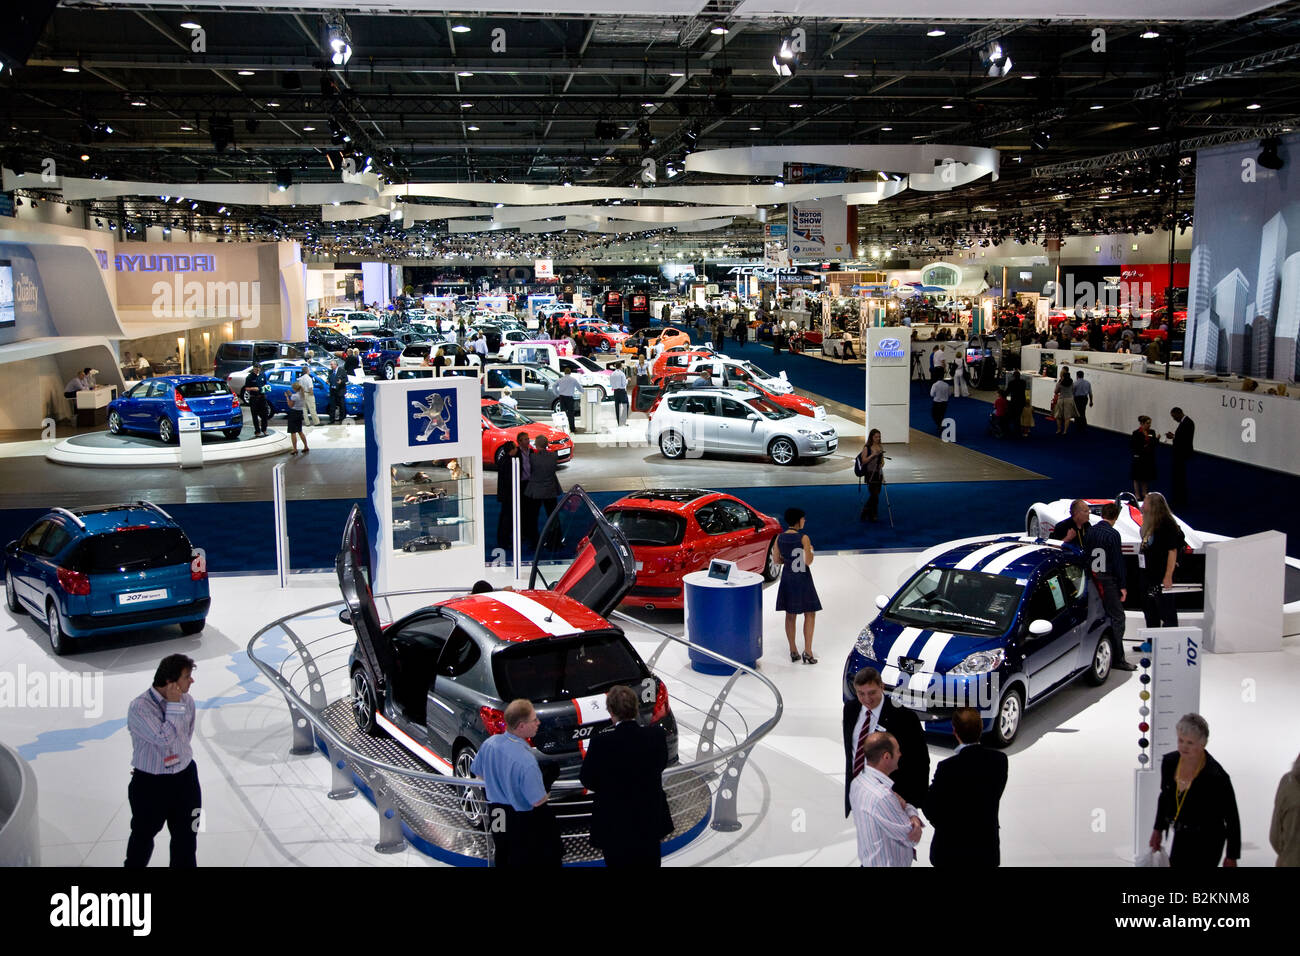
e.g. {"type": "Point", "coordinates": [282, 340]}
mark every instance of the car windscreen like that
{"type": "Point", "coordinates": [563, 668]}
{"type": "Point", "coordinates": [955, 600]}
{"type": "Point", "coordinates": [588, 364]}
{"type": "Point", "coordinates": [655, 528]}
{"type": "Point", "coordinates": [201, 389]}
{"type": "Point", "coordinates": [754, 370]}
{"type": "Point", "coordinates": [769, 408]}
{"type": "Point", "coordinates": [137, 549]}
{"type": "Point", "coordinates": [503, 416]}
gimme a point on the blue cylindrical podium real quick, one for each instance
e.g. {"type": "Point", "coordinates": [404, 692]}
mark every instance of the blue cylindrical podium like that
{"type": "Point", "coordinates": [726, 617]}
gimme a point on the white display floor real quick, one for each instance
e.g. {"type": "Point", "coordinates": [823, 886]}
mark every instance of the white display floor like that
{"type": "Point", "coordinates": [1068, 801]}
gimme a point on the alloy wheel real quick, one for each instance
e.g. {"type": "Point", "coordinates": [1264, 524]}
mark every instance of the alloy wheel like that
{"type": "Point", "coordinates": [471, 801]}
{"type": "Point", "coordinates": [114, 423]}
{"type": "Point", "coordinates": [1009, 716]}
{"type": "Point", "coordinates": [782, 451]}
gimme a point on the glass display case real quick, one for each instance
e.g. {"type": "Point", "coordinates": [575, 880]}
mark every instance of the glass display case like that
{"type": "Point", "coordinates": [433, 505]}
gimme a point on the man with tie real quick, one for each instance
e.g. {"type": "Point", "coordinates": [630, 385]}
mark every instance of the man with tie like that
{"type": "Point", "coordinates": [962, 804]}
{"type": "Point", "coordinates": [888, 827]}
{"type": "Point", "coordinates": [870, 712]}
{"type": "Point", "coordinates": [624, 769]}
{"type": "Point", "coordinates": [1183, 438]}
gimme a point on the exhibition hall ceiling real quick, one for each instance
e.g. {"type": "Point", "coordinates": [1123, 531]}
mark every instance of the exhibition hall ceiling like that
{"type": "Point", "coordinates": [196, 94]}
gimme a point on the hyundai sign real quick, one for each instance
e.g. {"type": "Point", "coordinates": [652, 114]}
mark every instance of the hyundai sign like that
{"type": "Point", "coordinates": [889, 349]}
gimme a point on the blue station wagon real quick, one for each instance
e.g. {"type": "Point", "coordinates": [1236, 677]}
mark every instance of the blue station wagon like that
{"type": "Point", "coordinates": [102, 570]}
{"type": "Point", "coordinates": [156, 405]}
{"type": "Point", "coordinates": [997, 624]}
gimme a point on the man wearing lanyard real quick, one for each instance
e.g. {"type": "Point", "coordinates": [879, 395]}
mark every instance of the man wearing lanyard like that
{"type": "Point", "coordinates": [164, 786]}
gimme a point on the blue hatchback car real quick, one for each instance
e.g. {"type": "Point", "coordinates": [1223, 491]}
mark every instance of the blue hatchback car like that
{"type": "Point", "coordinates": [279, 382]}
{"type": "Point", "coordinates": [996, 624]}
{"type": "Point", "coordinates": [101, 570]}
{"type": "Point", "coordinates": [155, 405]}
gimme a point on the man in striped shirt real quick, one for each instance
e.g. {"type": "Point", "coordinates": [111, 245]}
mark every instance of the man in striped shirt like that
{"type": "Point", "coordinates": [164, 786]}
{"type": "Point", "coordinates": [888, 827]}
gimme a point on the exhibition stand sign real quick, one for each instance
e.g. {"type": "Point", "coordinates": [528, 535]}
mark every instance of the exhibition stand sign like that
{"type": "Point", "coordinates": [888, 392]}
{"type": "Point", "coordinates": [1171, 687]}
{"type": "Point", "coordinates": [424, 481]}
{"type": "Point", "coordinates": [1245, 581]}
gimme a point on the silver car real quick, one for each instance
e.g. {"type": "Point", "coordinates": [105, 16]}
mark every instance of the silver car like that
{"type": "Point", "coordinates": [694, 421]}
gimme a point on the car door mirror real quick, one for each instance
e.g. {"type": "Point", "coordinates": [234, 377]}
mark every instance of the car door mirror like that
{"type": "Point", "coordinates": [1040, 627]}
{"type": "Point", "coordinates": [882, 601]}
{"type": "Point", "coordinates": [753, 417]}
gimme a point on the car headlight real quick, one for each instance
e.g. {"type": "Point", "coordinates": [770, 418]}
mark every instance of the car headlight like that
{"type": "Point", "coordinates": [805, 431]}
{"type": "Point", "coordinates": [981, 662]}
{"type": "Point", "coordinates": [864, 644]}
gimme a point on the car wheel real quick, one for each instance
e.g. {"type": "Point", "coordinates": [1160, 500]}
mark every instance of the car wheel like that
{"type": "Point", "coordinates": [11, 595]}
{"type": "Point", "coordinates": [233, 433]}
{"type": "Point", "coordinates": [1032, 527]}
{"type": "Point", "coordinates": [1103, 655]}
{"type": "Point", "coordinates": [443, 545]}
{"type": "Point", "coordinates": [114, 423]}
{"type": "Point", "coordinates": [557, 406]}
{"type": "Point", "coordinates": [672, 445]}
{"type": "Point", "coordinates": [165, 431]}
{"type": "Point", "coordinates": [390, 372]}
{"type": "Point", "coordinates": [365, 703]}
{"type": "Point", "coordinates": [54, 627]}
{"type": "Point", "coordinates": [605, 347]}
{"type": "Point", "coordinates": [1006, 721]}
{"type": "Point", "coordinates": [192, 627]}
{"type": "Point", "coordinates": [771, 570]}
{"type": "Point", "coordinates": [472, 803]}
{"type": "Point", "coordinates": [783, 452]}
{"type": "Point", "coordinates": [243, 396]}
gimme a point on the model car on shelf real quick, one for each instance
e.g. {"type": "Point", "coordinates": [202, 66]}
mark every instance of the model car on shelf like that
{"type": "Point", "coordinates": [999, 624]}
{"type": "Point", "coordinates": [438, 680]}
{"type": "Point", "coordinates": [103, 570]}
{"type": "Point", "coordinates": [501, 423]}
{"type": "Point", "coordinates": [599, 335]}
{"type": "Point", "coordinates": [154, 406]}
{"type": "Point", "coordinates": [709, 419]}
{"type": "Point", "coordinates": [427, 542]}
{"type": "Point", "coordinates": [674, 531]}
{"type": "Point", "coordinates": [279, 383]}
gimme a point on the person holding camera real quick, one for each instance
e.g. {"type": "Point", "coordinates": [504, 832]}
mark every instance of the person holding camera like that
{"type": "Point", "coordinates": [870, 464]}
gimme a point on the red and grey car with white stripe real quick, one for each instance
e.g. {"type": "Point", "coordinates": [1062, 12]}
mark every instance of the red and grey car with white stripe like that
{"type": "Point", "coordinates": [438, 680]}
{"type": "Point", "coordinates": [999, 624]}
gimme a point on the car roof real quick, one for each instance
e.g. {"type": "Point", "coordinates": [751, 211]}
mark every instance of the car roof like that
{"type": "Point", "coordinates": [676, 500]}
{"type": "Point", "coordinates": [515, 616]}
{"type": "Point", "coordinates": [100, 518]}
{"type": "Point", "coordinates": [1011, 556]}
{"type": "Point", "coordinates": [183, 379]}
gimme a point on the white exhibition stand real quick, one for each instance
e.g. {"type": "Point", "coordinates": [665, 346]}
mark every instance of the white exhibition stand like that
{"type": "Point", "coordinates": [1174, 690]}
{"type": "Point", "coordinates": [189, 434]}
{"type": "Point", "coordinates": [888, 350]}
{"type": "Point", "coordinates": [1244, 591]}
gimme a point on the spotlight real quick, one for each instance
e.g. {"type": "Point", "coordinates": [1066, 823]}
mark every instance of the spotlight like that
{"type": "Point", "coordinates": [1268, 156]}
{"type": "Point", "coordinates": [995, 60]}
{"type": "Point", "coordinates": [1150, 33]}
{"type": "Point", "coordinates": [460, 28]}
{"type": "Point", "coordinates": [190, 25]}
{"type": "Point", "coordinates": [339, 38]}
{"type": "Point", "coordinates": [786, 59]}
{"type": "Point", "coordinates": [1041, 139]}
{"type": "Point", "coordinates": [719, 29]}
{"type": "Point", "coordinates": [222, 131]}
{"type": "Point", "coordinates": [935, 32]}
{"type": "Point", "coordinates": [283, 178]}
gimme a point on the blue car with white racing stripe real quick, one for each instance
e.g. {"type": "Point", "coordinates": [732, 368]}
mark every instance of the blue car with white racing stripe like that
{"type": "Point", "coordinates": [998, 624]}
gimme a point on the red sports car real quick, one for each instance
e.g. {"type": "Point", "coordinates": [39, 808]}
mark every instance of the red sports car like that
{"type": "Point", "coordinates": [674, 531]}
{"type": "Point", "coordinates": [502, 423]}
{"type": "Point", "coordinates": [599, 335]}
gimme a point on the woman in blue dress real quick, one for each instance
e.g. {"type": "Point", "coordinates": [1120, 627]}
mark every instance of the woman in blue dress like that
{"type": "Point", "coordinates": [796, 594]}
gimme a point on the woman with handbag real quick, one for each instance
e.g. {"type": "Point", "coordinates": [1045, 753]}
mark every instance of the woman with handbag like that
{"type": "Point", "coordinates": [871, 466]}
{"type": "Point", "coordinates": [1162, 541]}
{"type": "Point", "coordinates": [1197, 801]}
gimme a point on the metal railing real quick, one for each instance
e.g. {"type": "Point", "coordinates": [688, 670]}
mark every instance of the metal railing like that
{"type": "Point", "coordinates": [444, 815]}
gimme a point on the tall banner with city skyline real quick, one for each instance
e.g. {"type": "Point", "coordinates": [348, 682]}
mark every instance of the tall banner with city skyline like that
{"type": "Point", "coordinates": [1243, 299]}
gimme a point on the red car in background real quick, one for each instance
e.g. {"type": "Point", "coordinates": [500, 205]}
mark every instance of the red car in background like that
{"type": "Point", "coordinates": [501, 423]}
{"type": "Point", "coordinates": [674, 531]}
{"type": "Point", "coordinates": [795, 403]}
{"type": "Point", "coordinates": [599, 335]}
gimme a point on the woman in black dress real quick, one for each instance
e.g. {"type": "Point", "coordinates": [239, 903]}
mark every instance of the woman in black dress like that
{"type": "Point", "coordinates": [1197, 800]}
{"type": "Point", "coordinates": [871, 462]}
{"type": "Point", "coordinates": [1142, 454]}
{"type": "Point", "coordinates": [796, 594]}
{"type": "Point", "coordinates": [1162, 542]}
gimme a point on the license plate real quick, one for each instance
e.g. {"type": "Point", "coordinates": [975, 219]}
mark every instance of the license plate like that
{"type": "Point", "coordinates": [214, 425]}
{"type": "Point", "coordinates": [833, 445]}
{"type": "Point", "coordinates": [142, 597]}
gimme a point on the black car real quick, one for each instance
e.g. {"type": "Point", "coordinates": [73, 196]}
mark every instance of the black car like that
{"type": "Point", "coordinates": [235, 356]}
{"type": "Point", "coordinates": [438, 680]}
{"type": "Point", "coordinates": [321, 339]}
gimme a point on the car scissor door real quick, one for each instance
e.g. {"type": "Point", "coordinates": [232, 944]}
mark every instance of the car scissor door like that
{"type": "Point", "coordinates": [354, 573]}
{"type": "Point", "coordinates": [582, 555]}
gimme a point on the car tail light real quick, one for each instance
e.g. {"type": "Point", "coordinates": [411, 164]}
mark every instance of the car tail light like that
{"type": "Point", "coordinates": [493, 720]}
{"type": "Point", "coordinates": [180, 403]}
{"type": "Point", "coordinates": [74, 582]}
{"type": "Point", "coordinates": [661, 704]}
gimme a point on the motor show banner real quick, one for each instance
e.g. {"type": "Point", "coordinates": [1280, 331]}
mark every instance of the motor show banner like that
{"type": "Point", "coordinates": [1243, 306]}
{"type": "Point", "coordinates": [820, 228]}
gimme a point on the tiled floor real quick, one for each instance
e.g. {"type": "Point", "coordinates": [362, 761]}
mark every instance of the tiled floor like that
{"type": "Point", "coordinates": [1069, 799]}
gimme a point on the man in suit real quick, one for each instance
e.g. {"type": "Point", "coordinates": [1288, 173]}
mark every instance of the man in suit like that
{"type": "Point", "coordinates": [624, 769]}
{"type": "Point", "coordinates": [962, 803]}
{"type": "Point", "coordinates": [872, 711]}
{"type": "Point", "coordinates": [1182, 437]}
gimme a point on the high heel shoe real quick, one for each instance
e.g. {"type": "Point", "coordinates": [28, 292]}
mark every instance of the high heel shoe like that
{"type": "Point", "coordinates": [808, 658]}
{"type": "Point", "coordinates": [794, 657]}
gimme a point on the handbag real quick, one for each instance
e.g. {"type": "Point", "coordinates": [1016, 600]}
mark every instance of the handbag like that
{"type": "Point", "coordinates": [1153, 858]}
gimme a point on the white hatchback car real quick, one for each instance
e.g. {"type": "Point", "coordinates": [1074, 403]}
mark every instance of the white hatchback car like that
{"type": "Point", "coordinates": [694, 421]}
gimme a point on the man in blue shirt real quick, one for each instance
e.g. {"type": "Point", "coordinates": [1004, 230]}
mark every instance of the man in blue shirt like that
{"type": "Point", "coordinates": [1108, 564]}
{"type": "Point", "coordinates": [522, 830]}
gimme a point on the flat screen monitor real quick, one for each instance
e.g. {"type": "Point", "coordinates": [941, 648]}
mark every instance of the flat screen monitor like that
{"type": "Point", "coordinates": [720, 570]}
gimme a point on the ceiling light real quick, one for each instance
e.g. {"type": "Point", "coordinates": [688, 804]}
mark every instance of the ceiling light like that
{"type": "Point", "coordinates": [935, 32]}
{"type": "Point", "coordinates": [460, 28]}
{"type": "Point", "coordinates": [72, 69]}
{"type": "Point", "coordinates": [1029, 76]}
{"type": "Point", "coordinates": [190, 25]}
{"type": "Point", "coordinates": [85, 157]}
{"type": "Point", "coordinates": [718, 29]}
{"type": "Point", "coordinates": [187, 129]}
{"type": "Point", "coordinates": [796, 106]}
{"type": "Point", "coordinates": [755, 129]}
{"type": "Point", "coordinates": [677, 74]}
{"type": "Point", "coordinates": [466, 106]}
{"type": "Point", "coordinates": [886, 129]}
{"type": "Point", "coordinates": [139, 103]}
{"type": "Point", "coordinates": [1152, 129]}
{"type": "Point", "coordinates": [1096, 106]}
{"type": "Point", "coordinates": [646, 106]}
{"type": "Point", "coordinates": [785, 61]}
{"type": "Point", "coordinates": [465, 73]}
{"type": "Point", "coordinates": [339, 38]}
{"type": "Point", "coordinates": [309, 129]}
{"type": "Point", "coordinates": [850, 76]}
{"type": "Point", "coordinates": [472, 129]}
{"type": "Point", "coordinates": [247, 72]}
{"type": "Point", "coordinates": [1150, 34]}
{"type": "Point", "coordinates": [946, 106]}
{"type": "Point", "coordinates": [1253, 106]}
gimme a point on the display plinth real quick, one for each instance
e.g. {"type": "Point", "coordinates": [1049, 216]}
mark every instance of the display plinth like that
{"type": "Point", "coordinates": [888, 390]}
{"type": "Point", "coordinates": [424, 481]}
{"type": "Point", "coordinates": [724, 616]}
{"type": "Point", "coordinates": [1244, 592]}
